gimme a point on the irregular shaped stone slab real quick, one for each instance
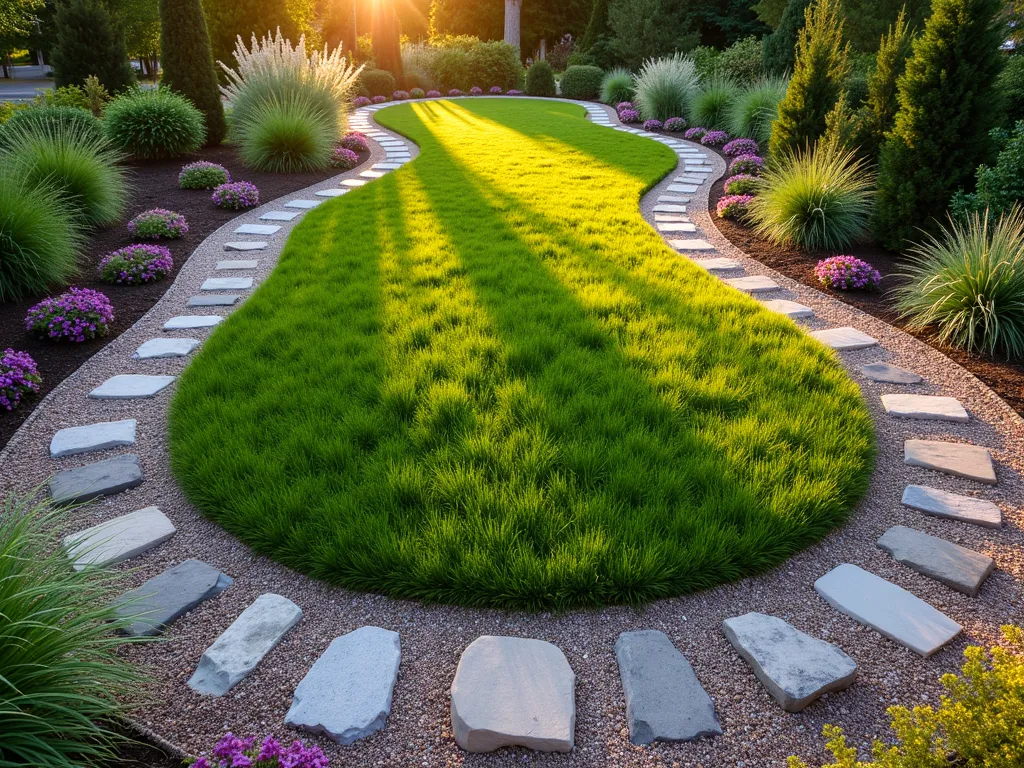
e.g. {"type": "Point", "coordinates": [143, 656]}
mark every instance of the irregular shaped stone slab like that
{"type": "Point", "coordinates": [168, 596]}
{"type": "Point", "coordinates": [670, 217]}
{"type": "Point", "coordinates": [513, 691]}
{"type": "Point", "coordinates": [789, 308]}
{"type": "Point", "coordinates": [347, 693]}
{"type": "Point", "coordinates": [753, 284]}
{"type": "Point", "coordinates": [119, 539]}
{"type": "Point", "coordinates": [243, 645]}
{"type": "Point", "coordinates": [957, 567]}
{"type": "Point", "coordinates": [682, 188]}
{"type": "Point", "coordinates": [932, 501]}
{"type": "Point", "coordinates": [793, 666]}
{"type": "Point", "coordinates": [718, 265]}
{"type": "Point", "coordinates": [386, 166]}
{"type": "Point", "coordinates": [673, 226]}
{"type": "Point", "coordinates": [226, 284]}
{"type": "Point", "coordinates": [925, 407]}
{"type": "Point", "coordinates": [254, 245]}
{"type": "Point", "coordinates": [304, 205]}
{"type": "Point", "coordinates": [157, 348]}
{"type": "Point", "coordinates": [691, 245]}
{"type": "Point", "coordinates": [238, 264]}
{"type": "Point", "coordinates": [222, 300]}
{"type": "Point", "coordinates": [677, 199]}
{"type": "Point", "coordinates": [889, 374]}
{"type": "Point", "coordinates": [669, 208]}
{"type": "Point", "coordinates": [891, 610]}
{"type": "Point", "coordinates": [279, 215]}
{"type": "Point", "coordinates": [698, 180]}
{"type": "Point", "coordinates": [354, 182]}
{"type": "Point", "coordinates": [845, 338]}
{"type": "Point", "coordinates": [128, 386]}
{"type": "Point", "coordinates": [258, 229]}
{"type": "Point", "coordinates": [971, 462]}
{"type": "Point", "coordinates": [103, 478]}
{"type": "Point", "coordinates": [92, 437]}
{"type": "Point", "coordinates": [664, 699]}
{"type": "Point", "coordinates": [331, 192]}
{"type": "Point", "coordinates": [185, 322]}
{"type": "Point", "coordinates": [371, 174]}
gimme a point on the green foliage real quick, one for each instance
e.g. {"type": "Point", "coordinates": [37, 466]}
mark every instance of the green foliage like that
{"type": "Point", "coordinates": [770, 11]}
{"type": "Point", "coordinates": [377, 82]}
{"type": "Point", "coordinates": [154, 124]}
{"type": "Point", "coordinates": [868, 20]}
{"type": "Point", "coordinates": [742, 61]}
{"type": "Point", "coordinates": [999, 188]}
{"type": "Point", "coordinates": [187, 62]}
{"type": "Point", "coordinates": [665, 87]}
{"type": "Point", "coordinates": [96, 95]}
{"type": "Point", "coordinates": [705, 60]}
{"type": "Point", "coordinates": [494, 63]}
{"type": "Point", "coordinates": [711, 106]}
{"type": "Point", "coordinates": [946, 109]}
{"type": "Point", "coordinates": [226, 20]}
{"type": "Point", "coordinates": [384, 34]}
{"type": "Point", "coordinates": [875, 119]}
{"type": "Point", "coordinates": [597, 26]}
{"type": "Point", "coordinates": [779, 48]}
{"type": "Point", "coordinates": [819, 199]}
{"type": "Point", "coordinates": [647, 29]}
{"type": "Point", "coordinates": [63, 683]}
{"type": "Point", "coordinates": [822, 67]}
{"type": "Point", "coordinates": [582, 82]}
{"type": "Point", "coordinates": [540, 79]}
{"type": "Point", "coordinates": [17, 17]}
{"type": "Point", "coordinates": [977, 724]}
{"type": "Point", "coordinates": [65, 96]}
{"type": "Point", "coordinates": [462, 62]}
{"type": "Point", "coordinates": [9, 109]}
{"type": "Point", "coordinates": [89, 42]}
{"type": "Point", "coordinates": [1010, 86]}
{"type": "Point", "coordinates": [617, 86]}
{"type": "Point", "coordinates": [286, 136]}
{"type": "Point", "coordinates": [48, 118]}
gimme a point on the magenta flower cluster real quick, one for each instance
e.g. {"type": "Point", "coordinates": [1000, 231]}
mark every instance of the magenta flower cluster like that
{"type": "Point", "coordinates": [158, 223]}
{"type": "Point", "coordinates": [740, 147]}
{"type": "Point", "coordinates": [236, 195]}
{"type": "Point", "coordinates": [360, 101]}
{"type": "Point", "coordinates": [455, 92]}
{"type": "Point", "coordinates": [714, 138]}
{"type": "Point", "coordinates": [476, 91]}
{"type": "Point", "coordinates": [355, 141]}
{"type": "Point", "coordinates": [379, 99]}
{"type": "Point", "coordinates": [844, 273]}
{"type": "Point", "coordinates": [653, 125]}
{"type": "Point", "coordinates": [733, 206]}
{"type": "Point", "coordinates": [233, 752]}
{"type": "Point", "coordinates": [495, 90]}
{"type": "Point", "coordinates": [19, 377]}
{"type": "Point", "coordinates": [695, 134]}
{"type": "Point", "coordinates": [417, 93]}
{"type": "Point", "coordinates": [433, 94]}
{"type": "Point", "coordinates": [203, 175]}
{"type": "Point", "coordinates": [400, 95]}
{"type": "Point", "coordinates": [514, 92]}
{"type": "Point", "coordinates": [135, 264]}
{"type": "Point", "coordinates": [741, 184]}
{"type": "Point", "coordinates": [629, 116]}
{"type": "Point", "coordinates": [77, 315]}
{"type": "Point", "coordinates": [675, 125]}
{"type": "Point", "coordinates": [746, 164]}
{"type": "Point", "coordinates": [344, 158]}
{"type": "Point", "coordinates": [624, 105]}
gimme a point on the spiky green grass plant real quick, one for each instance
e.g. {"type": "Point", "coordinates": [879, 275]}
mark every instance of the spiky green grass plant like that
{"type": "Point", "coordinates": [711, 105]}
{"type": "Point", "coordinates": [819, 199]}
{"type": "Point", "coordinates": [967, 283]}
{"type": "Point", "coordinates": [617, 86]}
{"type": "Point", "coordinates": [484, 379]}
{"type": "Point", "coordinates": [286, 136]}
{"type": "Point", "coordinates": [665, 86]}
{"type": "Point", "coordinates": [755, 108]}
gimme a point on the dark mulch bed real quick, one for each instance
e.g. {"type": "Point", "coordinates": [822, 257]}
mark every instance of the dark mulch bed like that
{"type": "Point", "coordinates": [145, 755]}
{"type": "Point", "coordinates": [1005, 378]}
{"type": "Point", "coordinates": [155, 185]}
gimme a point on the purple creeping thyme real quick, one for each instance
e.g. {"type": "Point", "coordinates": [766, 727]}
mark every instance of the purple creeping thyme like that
{"type": "Point", "coordinates": [433, 94]}
{"type": "Point", "coordinates": [629, 116]}
{"type": "Point", "coordinates": [361, 101]}
{"type": "Point", "coordinates": [379, 99]}
{"type": "Point", "coordinates": [653, 125]}
{"type": "Point", "coordinates": [495, 90]}
{"type": "Point", "coordinates": [77, 315]}
{"type": "Point", "coordinates": [714, 138]}
{"type": "Point", "coordinates": [675, 125]}
{"type": "Point", "coordinates": [695, 134]}
{"type": "Point", "coordinates": [741, 184]}
{"type": "Point", "coordinates": [355, 141]}
{"type": "Point", "coordinates": [400, 95]}
{"type": "Point", "coordinates": [740, 147]}
{"type": "Point", "coordinates": [158, 223]}
{"type": "Point", "coordinates": [344, 158]}
{"type": "Point", "coordinates": [416, 93]}
{"type": "Point", "coordinates": [514, 92]}
{"type": "Point", "coordinates": [233, 752]}
{"type": "Point", "coordinates": [455, 92]}
{"type": "Point", "coordinates": [19, 378]}
{"type": "Point", "coordinates": [624, 105]}
{"type": "Point", "coordinates": [746, 164]}
{"type": "Point", "coordinates": [733, 206]}
{"type": "Point", "coordinates": [203, 175]}
{"type": "Point", "coordinates": [236, 195]}
{"type": "Point", "coordinates": [844, 273]}
{"type": "Point", "coordinates": [135, 264]}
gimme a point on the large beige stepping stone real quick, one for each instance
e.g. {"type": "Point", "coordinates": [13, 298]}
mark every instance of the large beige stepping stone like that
{"type": "Point", "coordinates": [792, 309]}
{"type": "Point", "coordinates": [957, 567]}
{"type": "Point", "coordinates": [971, 462]}
{"type": "Point", "coordinates": [512, 691]}
{"type": "Point", "coordinates": [753, 284]}
{"type": "Point", "coordinates": [887, 608]}
{"type": "Point", "coordinates": [933, 501]}
{"type": "Point", "coordinates": [119, 539]}
{"type": "Point", "coordinates": [844, 339]}
{"type": "Point", "coordinates": [691, 245]}
{"type": "Point", "coordinates": [924, 407]}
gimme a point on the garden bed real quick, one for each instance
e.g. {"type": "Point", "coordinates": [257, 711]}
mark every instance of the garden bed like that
{"type": "Point", "coordinates": [154, 185]}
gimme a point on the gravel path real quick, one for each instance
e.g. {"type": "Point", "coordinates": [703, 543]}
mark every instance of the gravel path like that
{"type": "Point", "coordinates": [756, 731]}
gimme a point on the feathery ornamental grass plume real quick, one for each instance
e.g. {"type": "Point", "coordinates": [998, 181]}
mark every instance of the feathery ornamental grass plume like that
{"type": "Point", "coordinates": [665, 87]}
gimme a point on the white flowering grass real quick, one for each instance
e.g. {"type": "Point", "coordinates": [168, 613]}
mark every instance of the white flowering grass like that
{"type": "Point", "coordinates": [665, 87]}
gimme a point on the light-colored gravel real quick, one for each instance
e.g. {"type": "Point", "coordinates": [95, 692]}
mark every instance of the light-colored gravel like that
{"type": "Point", "coordinates": [756, 731]}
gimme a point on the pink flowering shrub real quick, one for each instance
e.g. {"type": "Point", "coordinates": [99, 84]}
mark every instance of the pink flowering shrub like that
{"type": "Point", "coordinates": [733, 206]}
{"type": "Point", "coordinates": [714, 138]}
{"type": "Point", "coordinates": [514, 92]}
{"type": "Point", "coordinates": [653, 125]}
{"type": "Point", "coordinates": [77, 315]}
{"type": "Point", "coordinates": [379, 99]}
{"type": "Point", "coordinates": [455, 92]}
{"type": "Point", "coordinates": [476, 91]}
{"type": "Point", "coordinates": [19, 378]}
{"type": "Point", "coordinates": [236, 195]}
{"type": "Point", "coordinates": [400, 95]}
{"type": "Point", "coordinates": [361, 101]}
{"type": "Point", "coordinates": [158, 223]}
{"type": "Point", "coordinates": [203, 175]}
{"type": "Point", "coordinates": [233, 752]}
{"type": "Point", "coordinates": [746, 164]}
{"type": "Point", "coordinates": [433, 94]}
{"type": "Point", "coordinates": [675, 125]}
{"type": "Point", "coordinates": [695, 134]}
{"type": "Point", "coordinates": [417, 93]}
{"type": "Point", "coordinates": [135, 264]}
{"type": "Point", "coordinates": [355, 141]}
{"type": "Point", "coordinates": [844, 273]}
{"type": "Point", "coordinates": [740, 147]}
{"type": "Point", "coordinates": [741, 184]}
{"type": "Point", "coordinates": [344, 158]}
{"type": "Point", "coordinates": [629, 116]}
{"type": "Point", "coordinates": [495, 90]}
{"type": "Point", "coordinates": [624, 105]}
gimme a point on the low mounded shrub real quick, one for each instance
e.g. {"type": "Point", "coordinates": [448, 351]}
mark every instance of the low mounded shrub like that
{"type": "Point", "coordinates": [417, 93]}
{"type": "Point", "coordinates": [455, 92]}
{"type": "Point", "coordinates": [665, 87]}
{"type": "Point", "coordinates": [356, 141]}
{"type": "Point", "coordinates": [236, 195]}
{"type": "Point", "coordinates": [741, 184]}
{"type": "Point", "coordinates": [379, 99]}
{"type": "Point", "coordinates": [19, 378]}
{"type": "Point", "coordinates": [363, 101]}
{"type": "Point", "coordinates": [287, 136]}
{"type": "Point", "coordinates": [270, 753]}
{"type": "Point", "coordinates": [714, 138]}
{"type": "Point", "coordinates": [1000, 187]}
{"type": "Point", "coordinates": [154, 124]}
{"type": "Point", "coordinates": [476, 90]}
{"type": "Point", "coordinates": [344, 158]}
{"type": "Point", "coordinates": [540, 79]}
{"type": "Point", "coordinates": [738, 147]}
{"type": "Point", "coordinates": [137, 264]}
{"type": "Point", "coordinates": [77, 315]}
{"type": "Point", "coordinates": [653, 125]}
{"type": "Point", "coordinates": [433, 94]}
{"type": "Point", "coordinates": [624, 105]}
{"type": "Point", "coordinates": [515, 92]}
{"type": "Point", "coordinates": [158, 223]}
{"type": "Point", "coordinates": [675, 125]}
{"type": "Point", "coordinates": [400, 95]}
{"type": "Point", "coordinates": [48, 117]}
{"type": "Point", "coordinates": [203, 175]}
{"type": "Point", "coordinates": [582, 82]}
{"type": "Point", "coordinates": [629, 116]}
{"type": "Point", "coordinates": [845, 273]}
{"type": "Point", "coordinates": [495, 90]}
{"type": "Point", "coordinates": [749, 165]}
{"type": "Point", "coordinates": [733, 206]}
{"type": "Point", "coordinates": [617, 86]}
{"type": "Point", "coordinates": [696, 133]}
{"type": "Point", "coordinates": [376, 82]}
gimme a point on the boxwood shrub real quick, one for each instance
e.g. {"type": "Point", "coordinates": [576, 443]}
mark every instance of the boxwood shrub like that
{"type": "Point", "coordinates": [582, 82]}
{"type": "Point", "coordinates": [154, 124]}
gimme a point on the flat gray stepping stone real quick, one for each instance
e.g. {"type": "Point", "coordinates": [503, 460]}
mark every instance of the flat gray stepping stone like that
{"type": "Point", "coordinates": [371, 174]}
{"type": "Point", "coordinates": [511, 691]}
{"type": "Point", "coordinates": [331, 192]}
{"type": "Point", "coordinates": [682, 188]}
{"type": "Point", "coordinates": [672, 226]}
{"type": "Point", "coordinates": [971, 462]}
{"type": "Point", "coordinates": [691, 245]}
{"type": "Point", "coordinates": [185, 322]}
{"type": "Point", "coordinates": [718, 265]}
{"type": "Point", "coordinates": [967, 509]}
{"type": "Point", "coordinates": [158, 348]}
{"type": "Point", "coordinates": [92, 437]}
{"type": "Point", "coordinates": [386, 166]}
{"type": "Point", "coordinates": [753, 284]}
{"type": "Point", "coordinates": [168, 596]}
{"type": "Point", "coordinates": [886, 608]}
{"type": "Point", "coordinates": [221, 300]}
{"type": "Point", "coordinates": [241, 646]}
{"type": "Point", "coordinates": [354, 182]}
{"type": "Point", "coordinates": [346, 694]}
{"type": "Point", "coordinates": [279, 215]}
{"type": "Point", "coordinates": [128, 386]}
{"type": "Point", "coordinates": [302, 204]}
{"type": "Point", "coordinates": [957, 567]}
{"type": "Point", "coordinates": [102, 478]}
{"type": "Point", "coordinates": [226, 284]}
{"type": "Point", "coordinates": [789, 308]}
{"type": "Point", "coordinates": [669, 208]}
{"type": "Point", "coordinates": [664, 699]}
{"type": "Point", "coordinates": [258, 229]}
{"type": "Point", "coordinates": [845, 338]}
{"type": "Point", "coordinates": [889, 374]}
{"type": "Point", "coordinates": [925, 407]}
{"type": "Point", "coordinates": [698, 180]}
{"type": "Point", "coordinates": [793, 666]}
{"type": "Point", "coordinates": [670, 217]}
{"type": "Point", "coordinates": [673, 199]}
{"type": "Point", "coordinates": [119, 539]}
{"type": "Point", "coordinates": [238, 264]}
{"type": "Point", "coordinates": [255, 245]}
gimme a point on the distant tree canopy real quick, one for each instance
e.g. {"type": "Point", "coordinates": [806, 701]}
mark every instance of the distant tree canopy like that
{"type": "Point", "coordinates": [866, 21]}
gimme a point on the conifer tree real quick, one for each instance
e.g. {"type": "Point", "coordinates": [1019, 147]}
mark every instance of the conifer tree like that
{"type": "Point", "coordinates": [385, 35]}
{"type": "Point", "coordinates": [876, 117]}
{"type": "Point", "coordinates": [596, 27]}
{"type": "Point", "coordinates": [88, 41]}
{"type": "Point", "coordinates": [779, 47]}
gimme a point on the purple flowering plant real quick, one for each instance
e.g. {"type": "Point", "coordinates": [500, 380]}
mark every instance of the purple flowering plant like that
{"type": "Point", "coordinates": [135, 264]}
{"type": "Point", "coordinates": [236, 195]}
{"type": "Point", "coordinates": [361, 101]}
{"type": "Point", "coordinates": [400, 95]}
{"type": "Point", "coordinates": [741, 184]}
{"type": "Point", "coordinates": [203, 175]}
{"type": "Point", "coordinates": [740, 147]}
{"type": "Point", "coordinates": [514, 92]}
{"type": "Point", "coordinates": [751, 165]}
{"type": "Point", "coordinates": [77, 315]}
{"type": "Point", "coordinates": [379, 99]}
{"type": "Point", "coordinates": [158, 223]}
{"type": "Point", "coordinates": [476, 91]}
{"type": "Point", "coordinates": [653, 125]}
{"type": "Point", "coordinates": [344, 158]}
{"type": "Point", "coordinates": [629, 116]}
{"type": "Point", "coordinates": [495, 90]}
{"type": "Point", "coordinates": [433, 94]}
{"type": "Point", "coordinates": [355, 141]}
{"type": "Point", "coordinates": [714, 138]}
{"type": "Point", "coordinates": [233, 752]}
{"type": "Point", "coordinates": [844, 273]}
{"type": "Point", "coordinates": [733, 206]}
{"type": "Point", "coordinates": [624, 105]}
{"type": "Point", "coordinates": [675, 125]}
{"type": "Point", "coordinates": [455, 92]}
{"type": "Point", "coordinates": [19, 378]}
{"type": "Point", "coordinates": [417, 93]}
{"type": "Point", "coordinates": [695, 134]}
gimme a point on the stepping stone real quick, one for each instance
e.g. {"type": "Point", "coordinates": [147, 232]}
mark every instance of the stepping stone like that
{"type": "Point", "coordinates": [958, 459]}
{"type": "Point", "coordinates": [157, 348]}
{"type": "Point", "coordinates": [241, 646]}
{"type": "Point", "coordinates": [889, 374]}
{"type": "Point", "coordinates": [691, 245]}
{"type": "Point", "coordinates": [238, 264]}
{"type": "Point", "coordinates": [670, 217]}
{"type": "Point", "coordinates": [845, 338]}
{"type": "Point", "coordinates": [668, 208]}
{"type": "Point", "coordinates": [753, 284]}
{"type": "Point", "coordinates": [891, 610]}
{"type": "Point", "coordinates": [102, 478]}
{"type": "Point", "coordinates": [387, 166]}
{"type": "Point", "coordinates": [258, 229]}
{"type": "Point", "coordinates": [354, 182]}
{"type": "Point", "coordinates": [226, 284]}
{"type": "Point", "coordinates": [788, 308]}
{"type": "Point", "coordinates": [925, 407]}
{"type": "Point", "coordinates": [718, 265]}
{"type": "Point", "coordinates": [119, 539]}
{"type": "Point", "coordinates": [127, 386]}
{"type": "Point", "coordinates": [170, 595]}
{"type": "Point", "coordinates": [222, 300]}
{"type": "Point", "coordinates": [346, 694]}
{"type": "Point", "coordinates": [331, 192]}
{"type": "Point", "coordinates": [186, 322]}
{"type": "Point", "coordinates": [255, 245]}
{"type": "Point", "coordinates": [279, 215]}
{"type": "Point", "coordinates": [698, 180]}
{"type": "Point", "coordinates": [675, 227]}
{"type": "Point", "coordinates": [795, 667]}
{"type": "Point", "coordinates": [957, 567]}
{"type": "Point", "coordinates": [967, 509]}
{"type": "Point", "coordinates": [302, 204]}
{"type": "Point", "coordinates": [682, 188]}
{"type": "Point", "coordinates": [372, 174]}
{"type": "Point", "coordinates": [664, 699]}
{"type": "Point", "coordinates": [391, 142]}
{"type": "Point", "coordinates": [92, 437]}
{"type": "Point", "coordinates": [673, 199]}
{"type": "Point", "coordinates": [511, 691]}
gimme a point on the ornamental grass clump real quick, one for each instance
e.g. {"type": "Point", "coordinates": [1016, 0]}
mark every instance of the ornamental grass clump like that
{"type": "Point", "coordinates": [154, 124]}
{"type": "Point", "coordinates": [617, 86]}
{"type": "Point", "coordinates": [741, 184]}
{"type": "Point", "coordinates": [847, 273]}
{"type": "Point", "coordinates": [750, 165]}
{"type": "Point", "coordinates": [733, 206]}
{"type": "Point", "coordinates": [714, 138]}
{"type": "Point", "coordinates": [356, 141]}
{"type": "Point", "coordinates": [344, 158]}
{"type": "Point", "coordinates": [157, 224]}
{"type": "Point", "coordinates": [675, 125]}
{"type": "Point", "coordinates": [653, 125]}
{"type": "Point", "coordinates": [78, 315]}
{"type": "Point", "coordinates": [738, 147]}
{"type": "Point", "coordinates": [665, 87]}
{"type": "Point", "coordinates": [137, 264]}
{"type": "Point", "coordinates": [270, 753]}
{"type": "Point", "coordinates": [286, 136]}
{"type": "Point", "coordinates": [710, 105]}
{"type": "Point", "coordinates": [19, 378]}
{"type": "Point", "coordinates": [203, 175]}
{"type": "Point", "coordinates": [756, 107]}
{"type": "Point", "coordinates": [696, 133]}
{"type": "Point", "coordinates": [236, 195]}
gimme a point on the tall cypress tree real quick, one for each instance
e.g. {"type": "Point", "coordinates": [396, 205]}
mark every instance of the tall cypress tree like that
{"type": "Point", "coordinates": [778, 51]}
{"type": "Point", "coordinates": [88, 41]}
{"type": "Point", "coordinates": [188, 61]}
{"type": "Point", "coordinates": [384, 32]}
{"type": "Point", "coordinates": [596, 27]}
{"type": "Point", "coordinates": [878, 114]}
{"type": "Point", "coordinates": [947, 107]}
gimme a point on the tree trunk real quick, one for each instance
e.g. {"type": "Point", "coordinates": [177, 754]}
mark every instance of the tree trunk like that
{"type": "Point", "coordinates": [512, 9]}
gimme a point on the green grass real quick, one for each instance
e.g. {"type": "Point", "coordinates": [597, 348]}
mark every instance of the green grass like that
{"type": "Point", "coordinates": [484, 379]}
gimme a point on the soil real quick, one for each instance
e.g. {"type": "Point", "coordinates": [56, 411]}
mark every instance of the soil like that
{"type": "Point", "coordinates": [154, 185]}
{"type": "Point", "coordinates": [144, 755]}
